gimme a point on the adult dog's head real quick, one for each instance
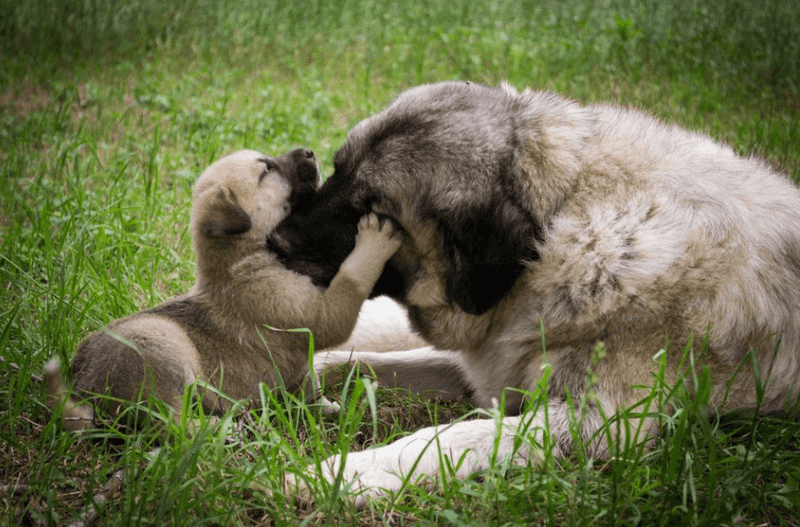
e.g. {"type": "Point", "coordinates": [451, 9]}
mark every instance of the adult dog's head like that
{"type": "Point", "coordinates": [464, 169]}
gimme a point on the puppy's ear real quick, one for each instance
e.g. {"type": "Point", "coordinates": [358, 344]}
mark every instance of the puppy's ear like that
{"type": "Point", "coordinates": [484, 254]}
{"type": "Point", "coordinates": [224, 216]}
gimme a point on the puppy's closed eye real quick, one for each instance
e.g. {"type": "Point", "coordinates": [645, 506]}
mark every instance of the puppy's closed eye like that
{"type": "Point", "coordinates": [268, 167]}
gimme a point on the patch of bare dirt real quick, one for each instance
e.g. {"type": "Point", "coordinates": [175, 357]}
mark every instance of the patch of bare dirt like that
{"type": "Point", "coordinates": [24, 99]}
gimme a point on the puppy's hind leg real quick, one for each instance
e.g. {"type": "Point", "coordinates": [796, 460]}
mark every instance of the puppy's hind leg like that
{"type": "Point", "coordinates": [77, 416]}
{"type": "Point", "coordinates": [312, 392]}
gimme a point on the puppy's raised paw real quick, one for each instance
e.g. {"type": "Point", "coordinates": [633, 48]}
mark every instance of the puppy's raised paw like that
{"type": "Point", "coordinates": [380, 233]}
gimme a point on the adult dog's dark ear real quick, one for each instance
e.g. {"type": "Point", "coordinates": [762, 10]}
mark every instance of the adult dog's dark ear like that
{"type": "Point", "coordinates": [484, 254]}
{"type": "Point", "coordinates": [224, 217]}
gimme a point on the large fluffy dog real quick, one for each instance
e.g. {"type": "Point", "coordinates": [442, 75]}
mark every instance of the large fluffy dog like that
{"type": "Point", "coordinates": [221, 331]}
{"type": "Point", "coordinates": [596, 224]}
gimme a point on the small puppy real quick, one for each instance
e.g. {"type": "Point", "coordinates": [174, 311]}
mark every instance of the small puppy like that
{"type": "Point", "coordinates": [228, 330]}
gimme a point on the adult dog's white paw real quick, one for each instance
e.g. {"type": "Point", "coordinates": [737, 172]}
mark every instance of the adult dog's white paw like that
{"type": "Point", "coordinates": [415, 460]}
{"type": "Point", "coordinates": [359, 482]}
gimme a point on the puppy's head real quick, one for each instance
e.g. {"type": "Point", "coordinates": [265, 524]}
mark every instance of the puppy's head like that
{"type": "Point", "coordinates": [242, 197]}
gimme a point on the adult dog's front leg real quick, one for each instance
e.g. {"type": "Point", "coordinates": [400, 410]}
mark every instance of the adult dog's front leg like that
{"type": "Point", "coordinates": [457, 450]}
{"type": "Point", "coordinates": [426, 371]}
{"type": "Point", "coordinates": [421, 459]}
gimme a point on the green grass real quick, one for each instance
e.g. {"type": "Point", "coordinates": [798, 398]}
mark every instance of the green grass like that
{"type": "Point", "coordinates": [109, 112]}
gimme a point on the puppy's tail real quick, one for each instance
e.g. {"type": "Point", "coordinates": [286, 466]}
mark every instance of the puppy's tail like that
{"type": "Point", "coordinates": [76, 416]}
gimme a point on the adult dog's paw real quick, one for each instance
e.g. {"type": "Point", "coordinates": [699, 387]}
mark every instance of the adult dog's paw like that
{"type": "Point", "coordinates": [359, 482]}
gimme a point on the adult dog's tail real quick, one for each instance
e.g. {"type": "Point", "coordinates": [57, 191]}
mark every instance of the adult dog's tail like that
{"type": "Point", "coordinates": [76, 416]}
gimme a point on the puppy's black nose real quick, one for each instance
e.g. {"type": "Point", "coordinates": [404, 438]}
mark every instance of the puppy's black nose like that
{"type": "Point", "coordinates": [308, 153]}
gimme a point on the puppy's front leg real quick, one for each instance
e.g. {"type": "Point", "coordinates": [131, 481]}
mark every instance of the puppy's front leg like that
{"type": "Point", "coordinates": [338, 307]}
{"type": "Point", "coordinates": [376, 242]}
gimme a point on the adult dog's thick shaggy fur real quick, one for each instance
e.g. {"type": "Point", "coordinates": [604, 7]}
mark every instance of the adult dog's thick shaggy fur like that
{"type": "Point", "coordinates": [217, 332]}
{"type": "Point", "coordinates": [596, 223]}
